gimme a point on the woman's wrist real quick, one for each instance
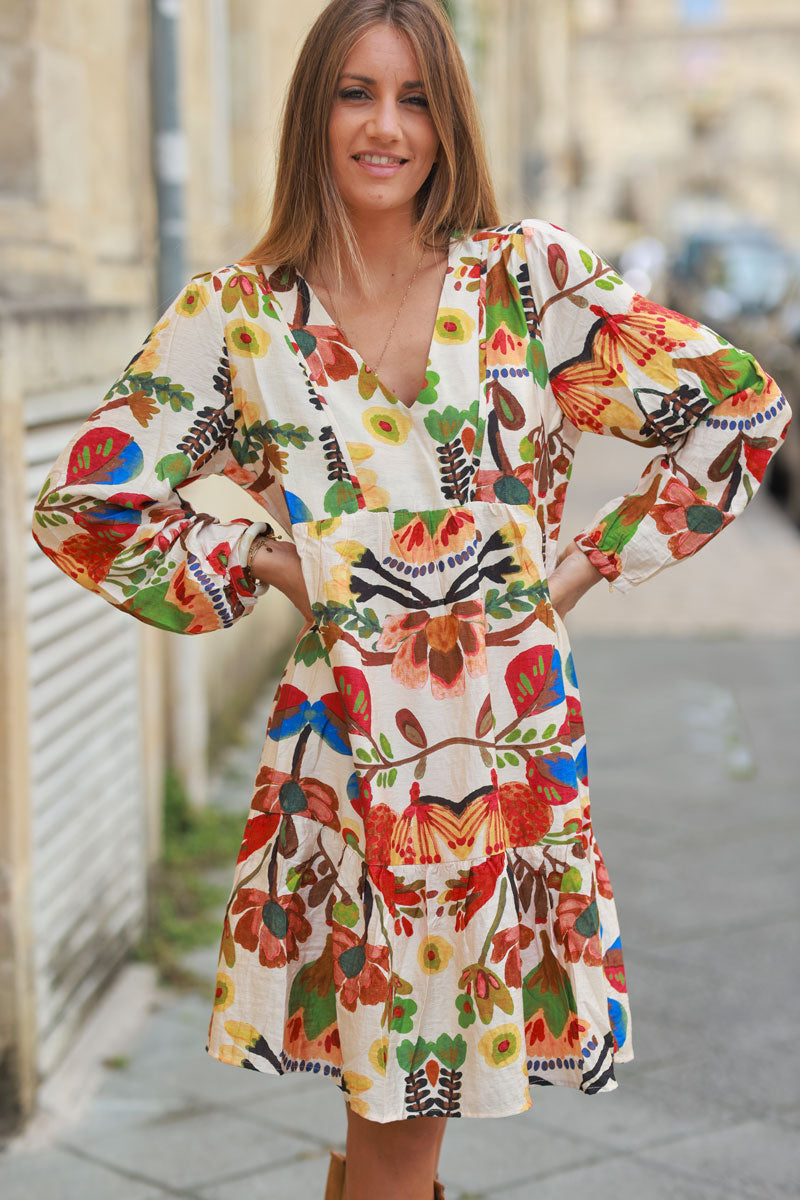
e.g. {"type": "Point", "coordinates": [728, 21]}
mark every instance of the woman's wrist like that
{"type": "Point", "coordinates": [265, 559]}
{"type": "Point", "coordinates": [572, 578]}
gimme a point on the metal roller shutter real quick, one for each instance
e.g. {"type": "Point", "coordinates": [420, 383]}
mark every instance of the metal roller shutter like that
{"type": "Point", "coordinates": [88, 852]}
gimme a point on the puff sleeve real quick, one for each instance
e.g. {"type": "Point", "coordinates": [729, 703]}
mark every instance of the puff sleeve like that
{"type": "Point", "coordinates": [620, 365]}
{"type": "Point", "coordinates": [110, 513]}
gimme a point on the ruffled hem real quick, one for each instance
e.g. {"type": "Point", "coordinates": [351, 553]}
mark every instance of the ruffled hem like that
{"type": "Point", "coordinates": [441, 989]}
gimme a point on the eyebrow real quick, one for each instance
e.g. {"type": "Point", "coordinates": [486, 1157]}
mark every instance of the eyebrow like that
{"type": "Point", "coordinates": [413, 83]}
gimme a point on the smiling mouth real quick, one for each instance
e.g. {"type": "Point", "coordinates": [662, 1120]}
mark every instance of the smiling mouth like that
{"type": "Point", "coordinates": [380, 160]}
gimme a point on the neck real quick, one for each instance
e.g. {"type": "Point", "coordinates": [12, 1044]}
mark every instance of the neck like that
{"type": "Point", "coordinates": [385, 240]}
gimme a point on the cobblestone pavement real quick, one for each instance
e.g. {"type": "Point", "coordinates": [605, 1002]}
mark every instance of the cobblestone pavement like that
{"type": "Point", "coordinates": [691, 692]}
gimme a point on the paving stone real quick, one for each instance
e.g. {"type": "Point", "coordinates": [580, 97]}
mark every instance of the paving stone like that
{"type": "Point", "coordinates": [191, 1149]}
{"type": "Point", "coordinates": [486, 1152]}
{"type": "Point", "coordinates": [58, 1175]}
{"type": "Point", "coordinates": [303, 1178]}
{"type": "Point", "coordinates": [756, 1157]}
{"type": "Point", "coordinates": [621, 1178]}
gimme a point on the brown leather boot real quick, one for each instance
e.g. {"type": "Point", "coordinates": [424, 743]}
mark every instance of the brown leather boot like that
{"type": "Point", "coordinates": [335, 1189]}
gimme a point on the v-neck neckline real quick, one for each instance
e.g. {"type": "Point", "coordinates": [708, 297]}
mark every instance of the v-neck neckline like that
{"type": "Point", "coordinates": [387, 391]}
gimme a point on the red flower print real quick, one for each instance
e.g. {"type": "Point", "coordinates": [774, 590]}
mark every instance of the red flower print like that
{"type": "Point", "coordinates": [555, 509]}
{"type": "Point", "coordinates": [281, 798]}
{"type": "Point", "coordinates": [325, 352]}
{"type": "Point", "coordinates": [274, 927]}
{"type": "Point", "coordinates": [360, 970]}
{"type": "Point", "coordinates": [601, 874]}
{"type": "Point", "coordinates": [354, 691]}
{"type": "Point", "coordinates": [437, 648]}
{"type": "Point", "coordinates": [544, 1044]}
{"type": "Point", "coordinates": [219, 557]}
{"type": "Point", "coordinates": [534, 680]}
{"type": "Point", "coordinates": [578, 928]}
{"type": "Point", "coordinates": [690, 518]}
{"type": "Point", "coordinates": [379, 826]}
{"type": "Point", "coordinates": [526, 815]}
{"type": "Point", "coordinates": [472, 888]}
{"type": "Point", "coordinates": [277, 792]}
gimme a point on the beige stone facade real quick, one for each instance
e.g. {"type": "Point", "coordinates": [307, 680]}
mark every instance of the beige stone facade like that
{"type": "Point", "coordinates": [684, 111]}
{"type": "Point", "coordinates": [78, 252]}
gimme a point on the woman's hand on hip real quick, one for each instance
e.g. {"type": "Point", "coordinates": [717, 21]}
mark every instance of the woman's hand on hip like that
{"type": "Point", "coordinates": [571, 579]}
{"type": "Point", "coordinates": [278, 563]}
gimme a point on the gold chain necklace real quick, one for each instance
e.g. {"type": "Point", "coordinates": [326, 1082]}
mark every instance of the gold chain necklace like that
{"type": "Point", "coordinates": [374, 370]}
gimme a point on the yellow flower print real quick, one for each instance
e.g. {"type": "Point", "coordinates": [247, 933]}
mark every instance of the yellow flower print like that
{"type": "Point", "coordinates": [321, 529]}
{"type": "Point", "coordinates": [454, 327]}
{"type": "Point", "coordinates": [233, 1055]}
{"type": "Point", "coordinates": [337, 588]}
{"type": "Point", "coordinates": [378, 1054]}
{"type": "Point", "coordinates": [386, 424]}
{"type": "Point", "coordinates": [150, 359]}
{"type": "Point", "coordinates": [355, 1083]}
{"type": "Point", "coordinates": [247, 339]}
{"type": "Point", "coordinates": [374, 496]}
{"type": "Point", "coordinates": [224, 993]}
{"type": "Point", "coordinates": [501, 1045]}
{"type": "Point", "coordinates": [359, 452]}
{"type": "Point", "coordinates": [192, 300]}
{"type": "Point", "coordinates": [250, 412]}
{"type": "Point", "coordinates": [350, 550]}
{"type": "Point", "coordinates": [514, 535]}
{"type": "Point", "coordinates": [434, 954]}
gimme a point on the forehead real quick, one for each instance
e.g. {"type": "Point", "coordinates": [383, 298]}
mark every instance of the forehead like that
{"type": "Point", "coordinates": [382, 50]}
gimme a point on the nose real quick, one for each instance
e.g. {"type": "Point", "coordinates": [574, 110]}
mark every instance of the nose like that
{"type": "Point", "coordinates": [383, 121]}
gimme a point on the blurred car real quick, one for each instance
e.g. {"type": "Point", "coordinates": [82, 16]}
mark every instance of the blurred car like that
{"type": "Point", "coordinates": [745, 284]}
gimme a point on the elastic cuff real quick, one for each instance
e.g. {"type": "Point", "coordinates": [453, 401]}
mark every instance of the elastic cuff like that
{"type": "Point", "coordinates": [607, 564]}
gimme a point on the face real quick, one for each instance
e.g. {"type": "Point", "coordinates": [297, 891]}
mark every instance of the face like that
{"type": "Point", "coordinates": [381, 138]}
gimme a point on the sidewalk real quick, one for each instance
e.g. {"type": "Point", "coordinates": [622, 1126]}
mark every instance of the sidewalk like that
{"type": "Point", "coordinates": [691, 689]}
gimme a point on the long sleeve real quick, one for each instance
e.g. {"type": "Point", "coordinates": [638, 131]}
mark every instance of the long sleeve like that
{"type": "Point", "coordinates": [110, 513]}
{"type": "Point", "coordinates": [619, 364]}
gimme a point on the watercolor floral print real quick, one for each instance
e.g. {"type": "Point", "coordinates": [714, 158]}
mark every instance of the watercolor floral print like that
{"type": "Point", "coordinates": [420, 910]}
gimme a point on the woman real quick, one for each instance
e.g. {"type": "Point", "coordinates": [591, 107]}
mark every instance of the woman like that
{"type": "Point", "coordinates": [420, 910]}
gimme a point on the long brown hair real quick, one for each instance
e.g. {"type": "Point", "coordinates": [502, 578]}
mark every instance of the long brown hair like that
{"type": "Point", "coordinates": [309, 221]}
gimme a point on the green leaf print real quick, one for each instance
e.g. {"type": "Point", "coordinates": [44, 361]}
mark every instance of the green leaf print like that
{"type": "Point", "coordinates": [151, 605]}
{"type": "Point", "coordinates": [450, 1051]}
{"type": "Point", "coordinates": [411, 1055]}
{"type": "Point", "coordinates": [173, 468]}
{"type": "Point", "coordinates": [547, 989]}
{"type": "Point", "coordinates": [341, 497]}
{"type": "Point", "coordinates": [444, 426]}
{"type": "Point", "coordinates": [587, 260]}
{"type": "Point", "coordinates": [162, 388]}
{"type": "Point", "coordinates": [537, 362]}
{"type": "Point", "coordinates": [313, 991]}
{"type": "Point", "coordinates": [402, 1018]}
{"type": "Point", "coordinates": [430, 394]}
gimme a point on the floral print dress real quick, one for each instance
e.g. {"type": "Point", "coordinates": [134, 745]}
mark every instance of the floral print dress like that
{"type": "Point", "coordinates": [420, 910]}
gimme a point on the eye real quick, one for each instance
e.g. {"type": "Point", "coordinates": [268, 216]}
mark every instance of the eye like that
{"type": "Point", "coordinates": [418, 101]}
{"type": "Point", "coordinates": [352, 93]}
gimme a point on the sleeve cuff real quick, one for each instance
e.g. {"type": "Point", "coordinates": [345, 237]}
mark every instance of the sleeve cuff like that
{"type": "Point", "coordinates": [608, 565]}
{"type": "Point", "coordinates": [243, 549]}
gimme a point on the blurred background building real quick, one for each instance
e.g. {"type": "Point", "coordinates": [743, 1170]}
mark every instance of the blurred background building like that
{"type": "Point", "coordinates": [137, 148]}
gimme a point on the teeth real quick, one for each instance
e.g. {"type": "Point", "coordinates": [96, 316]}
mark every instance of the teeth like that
{"type": "Point", "coordinates": [381, 160]}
